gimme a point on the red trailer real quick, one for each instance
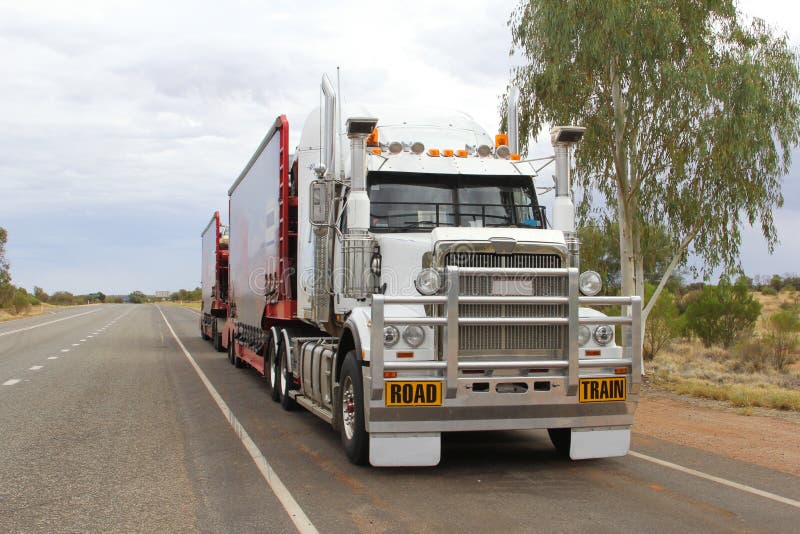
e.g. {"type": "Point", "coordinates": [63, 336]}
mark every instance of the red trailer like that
{"type": "Point", "coordinates": [214, 311]}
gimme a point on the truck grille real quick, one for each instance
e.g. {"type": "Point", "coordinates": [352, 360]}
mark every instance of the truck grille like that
{"type": "Point", "coordinates": [524, 339]}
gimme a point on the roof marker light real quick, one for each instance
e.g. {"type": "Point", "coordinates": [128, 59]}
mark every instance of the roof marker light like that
{"type": "Point", "coordinates": [503, 151]}
{"type": "Point", "coordinates": [484, 151]}
{"type": "Point", "coordinates": [434, 152]}
{"type": "Point", "coordinates": [461, 153]}
{"type": "Point", "coordinates": [372, 140]}
{"type": "Point", "coordinates": [376, 151]}
{"type": "Point", "coordinates": [417, 148]}
{"type": "Point", "coordinates": [515, 157]}
{"type": "Point", "coordinates": [500, 140]}
{"type": "Point", "coordinates": [395, 147]}
{"type": "Point", "coordinates": [447, 152]}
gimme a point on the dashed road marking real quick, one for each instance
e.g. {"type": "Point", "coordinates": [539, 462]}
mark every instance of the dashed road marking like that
{"type": "Point", "coordinates": [296, 514]}
{"type": "Point", "coordinates": [12, 382]}
{"type": "Point", "coordinates": [64, 350]}
{"type": "Point", "coordinates": [52, 357]}
{"type": "Point", "coordinates": [82, 340]}
{"type": "Point", "coordinates": [718, 480]}
{"type": "Point", "coordinates": [36, 368]}
{"type": "Point", "coordinates": [76, 344]}
{"type": "Point", "coordinates": [89, 336]}
{"type": "Point", "coordinates": [47, 323]}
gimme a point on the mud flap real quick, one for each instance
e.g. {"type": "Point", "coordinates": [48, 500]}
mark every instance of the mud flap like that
{"type": "Point", "coordinates": [606, 442]}
{"type": "Point", "coordinates": [396, 450]}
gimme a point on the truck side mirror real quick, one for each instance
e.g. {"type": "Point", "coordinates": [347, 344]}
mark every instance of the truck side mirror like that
{"type": "Point", "coordinates": [319, 203]}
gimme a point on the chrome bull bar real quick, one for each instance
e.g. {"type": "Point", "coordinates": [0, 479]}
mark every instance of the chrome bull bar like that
{"type": "Point", "coordinates": [450, 365]}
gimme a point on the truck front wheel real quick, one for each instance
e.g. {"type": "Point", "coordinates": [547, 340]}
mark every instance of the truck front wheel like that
{"type": "Point", "coordinates": [285, 379]}
{"type": "Point", "coordinates": [561, 438]}
{"type": "Point", "coordinates": [351, 403]}
{"type": "Point", "coordinates": [272, 370]}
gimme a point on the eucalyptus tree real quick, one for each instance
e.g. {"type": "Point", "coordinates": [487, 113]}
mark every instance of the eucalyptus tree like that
{"type": "Point", "coordinates": [691, 115]}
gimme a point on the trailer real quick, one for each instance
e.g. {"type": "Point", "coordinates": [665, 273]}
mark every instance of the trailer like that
{"type": "Point", "coordinates": [214, 282]}
{"type": "Point", "coordinates": [418, 287]}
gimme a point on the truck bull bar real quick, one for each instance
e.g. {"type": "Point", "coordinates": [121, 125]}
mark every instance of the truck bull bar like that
{"type": "Point", "coordinates": [450, 364]}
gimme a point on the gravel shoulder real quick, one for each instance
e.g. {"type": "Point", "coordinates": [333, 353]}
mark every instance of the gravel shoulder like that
{"type": "Point", "coordinates": [759, 436]}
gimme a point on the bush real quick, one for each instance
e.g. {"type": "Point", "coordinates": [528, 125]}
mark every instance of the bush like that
{"type": "Point", "coordinates": [769, 290]}
{"type": "Point", "coordinates": [62, 298]}
{"type": "Point", "coordinates": [663, 323]}
{"type": "Point", "coordinates": [722, 313]}
{"type": "Point", "coordinates": [782, 337]}
{"type": "Point", "coordinates": [21, 303]}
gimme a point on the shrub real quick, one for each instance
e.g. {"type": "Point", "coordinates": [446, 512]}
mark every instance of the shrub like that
{"type": "Point", "coordinates": [21, 302]}
{"type": "Point", "coordinates": [663, 323]}
{"type": "Point", "coordinates": [62, 298]}
{"type": "Point", "coordinates": [782, 330]}
{"type": "Point", "coordinates": [722, 313]}
{"type": "Point", "coordinates": [769, 290]}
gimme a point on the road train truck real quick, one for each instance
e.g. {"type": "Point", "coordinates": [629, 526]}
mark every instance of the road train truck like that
{"type": "Point", "coordinates": [397, 276]}
{"type": "Point", "coordinates": [214, 282]}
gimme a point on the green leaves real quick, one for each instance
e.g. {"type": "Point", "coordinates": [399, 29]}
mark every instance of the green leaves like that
{"type": "Point", "coordinates": [691, 113]}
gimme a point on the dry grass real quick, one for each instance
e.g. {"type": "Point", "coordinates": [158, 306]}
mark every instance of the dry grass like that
{"type": "Point", "coordinates": [771, 304]}
{"type": "Point", "coordinates": [688, 368]}
{"type": "Point", "coordinates": [33, 311]}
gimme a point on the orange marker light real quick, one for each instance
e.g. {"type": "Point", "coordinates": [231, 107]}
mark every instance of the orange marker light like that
{"type": "Point", "coordinates": [500, 139]}
{"type": "Point", "coordinates": [514, 157]}
{"type": "Point", "coordinates": [621, 370]}
{"type": "Point", "coordinates": [593, 353]}
{"type": "Point", "coordinates": [434, 152]}
{"type": "Point", "coordinates": [376, 151]}
{"type": "Point", "coordinates": [461, 153]}
{"type": "Point", "coordinates": [448, 153]}
{"type": "Point", "coordinates": [372, 140]}
{"type": "Point", "coordinates": [390, 374]}
{"type": "Point", "coordinates": [409, 354]}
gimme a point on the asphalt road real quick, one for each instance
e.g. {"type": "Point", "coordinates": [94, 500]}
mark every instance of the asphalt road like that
{"type": "Point", "coordinates": [106, 425]}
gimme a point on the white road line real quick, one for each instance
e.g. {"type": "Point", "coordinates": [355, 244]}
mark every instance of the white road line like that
{"type": "Point", "coordinates": [89, 336]}
{"type": "Point", "coordinates": [76, 344]}
{"type": "Point", "coordinates": [35, 367]}
{"type": "Point", "coordinates": [82, 340]}
{"type": "Point", "coordinates": [52, 357]}
{"type": "Point", "coordinates": [718, 480]}
{"type": "Point", "coordinates": [47, 323]}
{"type": "Point", "coordinates": [297, 515]}
{"type": "Point", "coordinates": [12, 382]}
{"type": "Point", "coordinates": [64, 350]}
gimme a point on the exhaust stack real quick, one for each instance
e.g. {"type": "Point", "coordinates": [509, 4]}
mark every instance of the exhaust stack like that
{"type": "Point", "coordinates": [513, 120]}
{"type": "Point", "coordinates": [563, 139]}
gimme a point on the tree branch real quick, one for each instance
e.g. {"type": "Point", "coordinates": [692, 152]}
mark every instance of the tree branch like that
{"type": "Point", "coordinates": [687, 240]}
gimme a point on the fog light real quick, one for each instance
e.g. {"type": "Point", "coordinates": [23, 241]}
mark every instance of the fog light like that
{"type": "Point", "coordinates": [391, 336]}
{"type": "Point", "coordinates": [603, 334]}
{"type": "Point", "coordinates": [414, 335]}
{"type": "Point", "coordinates": [583, 335]}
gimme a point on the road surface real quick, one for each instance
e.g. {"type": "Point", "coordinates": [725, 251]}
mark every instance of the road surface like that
{"type": "Point", "coordinates": [112, 423]}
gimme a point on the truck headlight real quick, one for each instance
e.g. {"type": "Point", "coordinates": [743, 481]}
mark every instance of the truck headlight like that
{"type": "Point", "coordinates": [414, 335]}
{"type": "Point", "coordinates": [603, 334]}
{"type": "Point", "coordinates": [590, 283]}
{"type": "Point", "coordinates": [391, 335]}
{"type": "Point", "coordinates": [583, 335]}
{"type": "Point", "coordinates": [428, 281]}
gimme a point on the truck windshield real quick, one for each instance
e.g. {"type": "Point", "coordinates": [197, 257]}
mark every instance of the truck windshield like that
{"type": "Point", "coordinates": [414, 202]}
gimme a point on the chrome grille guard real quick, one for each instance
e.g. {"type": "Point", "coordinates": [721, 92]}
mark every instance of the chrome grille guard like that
{"type": "Point", "coordinates": [449, 364]}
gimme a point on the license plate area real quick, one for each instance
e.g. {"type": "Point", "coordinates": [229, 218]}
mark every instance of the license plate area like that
{"type": "Point", "coordinates": [603, 389]}
{"type": "Point", "coordinates": [425, 393]}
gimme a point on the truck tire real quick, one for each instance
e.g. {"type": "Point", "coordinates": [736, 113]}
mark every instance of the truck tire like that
{"type": "Point", "coordinates": [561, 438]}
{"type": "Point", "coordinates": [351, 403]}
{"type": "Point", "coordinates": [271, 371]}
{"type": "Point", "coordinates": [216, 337]}
{"type": "Point", "coordinates": [230, 352]}
{"type": "Point", "coordinates": [285, 380]}
{"type": "Point", "coordinates": [203, 330]}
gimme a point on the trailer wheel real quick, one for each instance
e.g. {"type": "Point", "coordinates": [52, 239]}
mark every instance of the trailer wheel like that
{"type": "Point", "coordinates": [216, 337]}
{"type": "Point", "coordinates": [203, 330]}
{"type": "Point", "coordinates": [561, 438]}
{"type": "Point", "coordinates": [285, 380]}
{"type": "Point", "coordinates": [231, 355]}
{"type": "Point", "coordinates": [271, 371]}
{"type": "Point", "coordinates": [351, 403]}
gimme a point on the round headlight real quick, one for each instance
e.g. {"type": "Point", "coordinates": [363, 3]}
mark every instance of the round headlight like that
{"type": "Point", "coordinates": [417, 148]}
{"type": "Point", "coordinates": [603, 334]}
{"type": "Point", "coordinates": [583, 335]}
{"type": "Point", "coordinates": [395, 147]}
{"type": "Point", "coordinates": [391, 336]}
{"type": "Point", "coordinates": [428, 281]}
{"type": "Point", "coordinates": [503, 151]}
{"type": "Point", "coordinates": [414, 335]}
{"type": "Point", "coordinates": [590, 283]}
{"type": "Point", "coordinates": [484, 151]}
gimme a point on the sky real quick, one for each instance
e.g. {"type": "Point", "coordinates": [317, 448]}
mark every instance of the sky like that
{"type": "Point", "coordinates": [122, 124]}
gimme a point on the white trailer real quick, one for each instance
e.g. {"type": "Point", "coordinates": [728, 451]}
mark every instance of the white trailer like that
{"type": "Point", "coordinates": [417, 287]}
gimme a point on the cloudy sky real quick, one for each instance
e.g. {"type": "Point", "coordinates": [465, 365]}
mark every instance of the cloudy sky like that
{"type": "Point", "coordinates": [122, 123]}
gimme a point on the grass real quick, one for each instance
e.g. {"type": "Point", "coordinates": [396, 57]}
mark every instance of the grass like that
{"type": "Point", "coordinates": [688, 368]}
{"type": "Point", "coordinates": [33, 311]}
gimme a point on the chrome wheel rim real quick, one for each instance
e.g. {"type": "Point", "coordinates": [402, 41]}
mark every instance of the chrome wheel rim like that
{"type": "Point", "coordinates": [273, 373]}
{"type": "Point", "coordinates": [282, 377]}
{"type": "Point", "coordinates": [348, 408]}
